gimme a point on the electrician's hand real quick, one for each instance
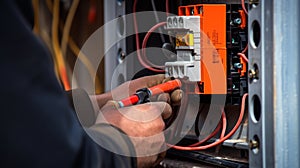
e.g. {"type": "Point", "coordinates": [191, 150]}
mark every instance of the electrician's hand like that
{"type": "Point", "coordinates": [130, 87]}
{"type": "Point", "coordinates": [144, 125]}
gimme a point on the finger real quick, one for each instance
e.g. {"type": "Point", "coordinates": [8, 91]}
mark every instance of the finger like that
{"type": "Point", "coordinates": [176, 96]}
{"type": "Point", "coordinates": [164, 97]}
{"type": "Point", "coordinates": [144, 82]}
{"type": "Point", "coordinates": [167, 111]}
{"type": "Point", "coordinates": [147, 112]}
{"type": "Point", "coordinates": [154, 80]}
{"type": "Point", "coordinates": [167, 79]}
{"type": "Point", "coordinates": [154, 98]}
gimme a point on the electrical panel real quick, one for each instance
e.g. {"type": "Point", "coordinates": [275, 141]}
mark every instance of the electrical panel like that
{"type": "Point", "coordinates": [208, 36]}
{"type": "Point", "coordinates": [207, 43]}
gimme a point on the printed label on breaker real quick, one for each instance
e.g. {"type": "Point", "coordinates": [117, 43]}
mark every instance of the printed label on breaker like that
{"type": "Point", "coordinates": [184, 40]}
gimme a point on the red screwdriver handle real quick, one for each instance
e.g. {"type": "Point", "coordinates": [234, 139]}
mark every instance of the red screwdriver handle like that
{"type": "Point", "coordinates": [165, 87]}
{"type": "Point", "coordinates": [148, 92]}
{"type": "Point", "coordinates": [133, 99]}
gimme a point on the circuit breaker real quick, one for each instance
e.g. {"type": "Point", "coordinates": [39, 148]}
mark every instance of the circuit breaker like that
{"type": "Point", "coordinates": [207, 37]}
{"type": "Point", "coordinates": [200, 32]}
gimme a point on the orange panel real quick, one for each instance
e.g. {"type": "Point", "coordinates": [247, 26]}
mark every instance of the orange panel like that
{"type": "Point", "coordinates": [213, 46]}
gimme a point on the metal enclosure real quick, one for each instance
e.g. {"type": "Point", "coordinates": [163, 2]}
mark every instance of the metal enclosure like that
{"type": "Point", "coordinates": [113, 58]}
{"type": "Point", "coordinates": [286, 67]}
{"type": "Point", "coordinates": [274, 88]}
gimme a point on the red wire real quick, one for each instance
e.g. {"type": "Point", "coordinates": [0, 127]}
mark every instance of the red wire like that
{"type": "Point", "coordinates": [224, 121]}
{"type": "Point", "coordinates": [244, 7]}
{"type": "Point", "coordinates": [243, 56]}
{"type": "Point", "coordinates": [245, 10]}
{"type": "Point", "coordinates": [144, 44]}
{"type": "Point", "coordinates": [143, 63]}
{"type": "Point", "coordinates": [64, 78]}
{"type": "Point", "coordinates": [245, 49]}
{"type": "Point", "coordinates": [167, 7]}
{"type": "Point", "coordinates": [213, 133]}
{"type": "Point", "coordinates": [221, 140]}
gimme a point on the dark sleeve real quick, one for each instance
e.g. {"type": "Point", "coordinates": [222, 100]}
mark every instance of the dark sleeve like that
{"type": "Point", "coordinates": [38, 128]}
{"type": "Point", "coordinates": [80, 102]}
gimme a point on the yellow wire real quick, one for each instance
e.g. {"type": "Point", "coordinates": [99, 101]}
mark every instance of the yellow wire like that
{"type": "Point", "coordinates": [73, 46]}
{"type": "Point", "coordinates": [56, 48]}
{"type": "Point", "coordinates": [49, 5]}
{"type": "Point", "coordinates": [68, 25]}
{"type": "Point", "coordinates": [38, 30]}
{"type": "Point", "coordinates": [35, 5]}
{"type": "Point", "coordinates": [84, 59]}
{"type": "Point", "coordinates": [46, 38]}
{"type": "Point", "coordinates": [67, 40]}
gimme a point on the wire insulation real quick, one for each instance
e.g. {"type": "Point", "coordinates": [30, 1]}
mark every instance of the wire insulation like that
{"type": "Point", "coordinates": [210, 136]}
{"type": "Point", "coordinates": [224, 122]}
{"type": "Point", "coordinates": [76, 50]}
{"type": "Point", "coordinates": [67, 26]}
{"type": "Point", "coordinates": [221, 140]}
{"type": "Point", "coordinates": [244, 7]}
{"type": "Point", "coordinates": [36, 11]}
{"type": "Point", "coordinates": [87, 63]}
{"type": "Point", "coordinates": [167, 7]}
{"type": "Point", "coordinates": [243, 56]}
{"type": "Point", "coordinates": [56, 48]}
{"type": "Point", "coordinates": [144, 44]}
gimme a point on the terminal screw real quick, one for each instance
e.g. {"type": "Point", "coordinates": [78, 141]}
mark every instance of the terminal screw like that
{"type": "Point", "coordinates": [238, 65]}
{"type": "Point", "coordinates": [192, 11]}
{"type": "Point", "coordinates": [237, 21]}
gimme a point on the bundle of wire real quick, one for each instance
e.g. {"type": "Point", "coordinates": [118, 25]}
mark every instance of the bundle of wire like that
{"type": "Point", "coordinates": [56, 48]}
{"type": "Point", "coordinates": [223, 137]}
{"type": "Point", "coordinates": [59, 50]}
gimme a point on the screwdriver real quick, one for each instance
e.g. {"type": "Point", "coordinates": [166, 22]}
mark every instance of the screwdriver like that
{"type": "Point", "coordinates": [143, 95]}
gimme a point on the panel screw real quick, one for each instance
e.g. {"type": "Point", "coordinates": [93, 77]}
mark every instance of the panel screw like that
{"type": "Point", "coordinates": [251, 74]}
{"type": "Point", "coordinates": [253, 144]}
{"type": "Point", "coordinates": [121, 55]}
